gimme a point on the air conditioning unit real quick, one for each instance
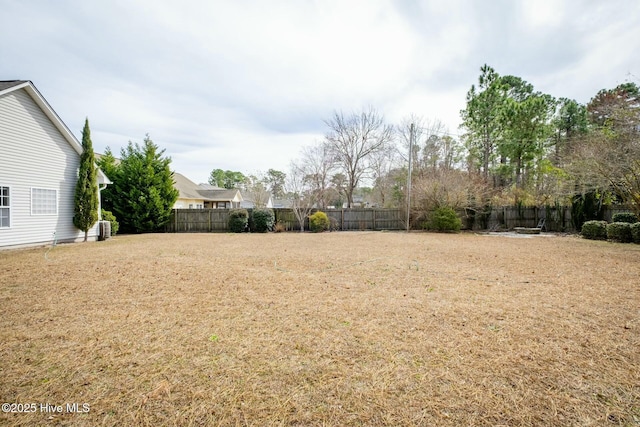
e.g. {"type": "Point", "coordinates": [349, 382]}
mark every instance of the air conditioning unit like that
{"type": "Point", "coordinates": [104, 228]}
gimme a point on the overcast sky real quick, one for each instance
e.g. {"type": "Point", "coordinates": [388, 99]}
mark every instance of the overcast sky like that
{"type": "Point", "coordinates": [243, 85]}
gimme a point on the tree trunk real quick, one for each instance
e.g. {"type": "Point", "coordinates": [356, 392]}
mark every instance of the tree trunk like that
{"type": "Point", "coordinates": [350, 198]}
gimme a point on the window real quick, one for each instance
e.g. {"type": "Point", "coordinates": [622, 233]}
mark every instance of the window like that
{"type": "Point", "coordinates": [44, 201]}
{"type": "Point", "coordinates": [5, 207]}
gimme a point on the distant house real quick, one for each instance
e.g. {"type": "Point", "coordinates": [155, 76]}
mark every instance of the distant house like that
{"type": "Point", "coordinates": [250, 201]}
{"type": "Point", "coordinates": [203, 196]}
{"type": "Point", "coordinates": [283, 203]}
{"type": "Point", "coordinates": [39, 163]}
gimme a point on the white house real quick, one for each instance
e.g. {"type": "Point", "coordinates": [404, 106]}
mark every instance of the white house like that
{"type": "Point", "coordinates": [203, 196]}
{"type": "Point", "coordinates": [39, 162]}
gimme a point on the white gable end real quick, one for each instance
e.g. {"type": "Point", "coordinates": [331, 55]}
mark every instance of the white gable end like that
{"type": "Point", "coordinates": [40, 167]}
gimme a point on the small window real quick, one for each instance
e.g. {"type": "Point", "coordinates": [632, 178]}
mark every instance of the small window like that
{"type": "Point", "coordinates": [5, 207]}
{"type": "Point", "coordinates": [190, 205]}
{"type": "Point", "coordinates": [44, 201]}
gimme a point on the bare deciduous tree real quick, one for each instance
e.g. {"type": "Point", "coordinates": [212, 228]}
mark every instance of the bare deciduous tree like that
{"type": "Point", "coordinates": [353, 140]}
{"type": "Point", "coordinates": [382, 163]}
{"type": "Point", "coordinates": [317, 162]}
{"type": "Point", "coordinates": [300, 190]}
{"type": "Point", "coordinates": [256, 191]}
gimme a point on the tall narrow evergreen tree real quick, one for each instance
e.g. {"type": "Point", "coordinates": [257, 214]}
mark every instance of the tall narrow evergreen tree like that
{"type": "Point", "coordinates": [85, 211]}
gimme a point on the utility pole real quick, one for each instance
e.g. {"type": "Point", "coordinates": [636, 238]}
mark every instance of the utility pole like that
{"type": "Point", "coordinates": [411, 131]}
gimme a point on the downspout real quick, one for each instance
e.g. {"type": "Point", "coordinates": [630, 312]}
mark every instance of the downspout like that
{"type": "Point", "coordinates": [100, 188]}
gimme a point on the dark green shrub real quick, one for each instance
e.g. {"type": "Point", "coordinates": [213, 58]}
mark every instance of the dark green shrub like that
{"type": "Point", "coordinates": [619, 232]}
{"type": "Point", "coordinates": [319, 222]}
{"type": "Point", "coordinates": [262, 220]}
{"type": "Point", "coordinates": [444, 219]}
{"type": "Point", "coordinates": [594, 230]}
{"type": "Point", "coordinates": [635, 232]}
{"type": "Point", "coordinates": [238, 219]}
{"type": "Point", "coordinates": [115, 225]}
{"type": "Point", "coordinates": [628, 217]}
{"type": "Point", "coordinates": [586, 207]}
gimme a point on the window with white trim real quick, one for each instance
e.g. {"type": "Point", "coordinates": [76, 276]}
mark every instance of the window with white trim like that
{"type": "Point", "coordinates": [5, 207]}
{"type": "Point", "coordinates": [44, 201]}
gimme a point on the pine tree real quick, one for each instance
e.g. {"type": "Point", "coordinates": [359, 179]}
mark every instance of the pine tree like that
{"type": "Point", "coordinates": [86, 195]}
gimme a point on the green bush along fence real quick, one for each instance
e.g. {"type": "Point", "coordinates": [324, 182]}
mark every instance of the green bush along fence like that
{"type": "Point", "coordinates": [217, 220]}
{"type": "Point", "coordinates": [557, 219]}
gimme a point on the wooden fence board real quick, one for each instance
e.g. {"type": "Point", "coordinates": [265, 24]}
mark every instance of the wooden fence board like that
{"type": "Point", "coordinates": [217, 220]}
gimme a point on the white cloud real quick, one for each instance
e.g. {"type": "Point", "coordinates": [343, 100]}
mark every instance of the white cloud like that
{"type": "Point", "coordinates": [243, 85]}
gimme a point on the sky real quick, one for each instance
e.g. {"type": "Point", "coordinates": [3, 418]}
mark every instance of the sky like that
{"type": "Point", "coordinates": [244, 85]}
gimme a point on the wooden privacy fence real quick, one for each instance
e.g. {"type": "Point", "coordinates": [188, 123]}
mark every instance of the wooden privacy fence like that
{"type": "Point", "coordinates": [217, 220]}
{"type": "Point", "coordinates": [504, 217]}
{"type": "Point", "coordinates": [198, 220]}
{"type": "Point", "coordinates": [508, 217]}
{"type": "Point", "coordinates": [556, 218]}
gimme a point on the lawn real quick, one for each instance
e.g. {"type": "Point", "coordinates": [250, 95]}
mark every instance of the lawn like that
{"type": "Point", "coordinates": [333, 329]}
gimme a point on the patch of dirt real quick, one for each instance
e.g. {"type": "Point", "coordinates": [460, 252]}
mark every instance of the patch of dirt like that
{"type": "Point", "coordinates": [349, 328]}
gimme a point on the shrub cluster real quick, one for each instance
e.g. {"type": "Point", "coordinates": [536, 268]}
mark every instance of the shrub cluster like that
{"type": "Point", "coordinates": [238, 220]}
{"type": "Point", "coordinates": [444, 219]}
{"type": "Point", "coordinates": [594, 230]}
{"type": "Point", "coordinates": [635, 232]}
{"type": "Point", "coordinates": [262, 220]}
{"type": "Point", "coordinates": [628, 217]}
{"type": "Point", "coordinates": [619, 232]}
{"type": "Point", "coordinates": [319, 222]}
{"type": "Point", "coordinates": [115, 225]}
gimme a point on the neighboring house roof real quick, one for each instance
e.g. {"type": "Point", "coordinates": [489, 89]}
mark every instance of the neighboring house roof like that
{"type": "Point", "coordinates": [249, 202]}
{"type": "Point", "coordinates": [282, 203]}
{"type": "Point", "coordinates": [190, 190]}
{"type": "Point", "coordinates": [7, 86]}
{"type": "Point", "coordinates": [222, 195]}
{"type": "Point", "coordinates": [205, 186]}
{"type": "Point", "coordinates": [187, 189]}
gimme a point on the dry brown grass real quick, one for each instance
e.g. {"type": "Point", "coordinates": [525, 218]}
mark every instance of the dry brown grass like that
{"type": "Point", "coordinates": [335, 329]}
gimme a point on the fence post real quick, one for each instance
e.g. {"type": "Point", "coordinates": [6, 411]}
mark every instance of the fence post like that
{"type": "Point", "coordinates": [175, 217]}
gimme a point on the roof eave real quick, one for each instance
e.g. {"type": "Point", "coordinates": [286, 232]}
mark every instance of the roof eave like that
{"type": "Point", "coordinates": [37, 97]}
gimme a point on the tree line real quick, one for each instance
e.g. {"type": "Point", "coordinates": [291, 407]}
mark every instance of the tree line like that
{"type": "Point", "coordinates": [517, 146]}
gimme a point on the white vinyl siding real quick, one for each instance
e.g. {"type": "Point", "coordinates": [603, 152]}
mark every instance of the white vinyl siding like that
{"type": "Point", "coordinates": [44, 201]}
{"type": "Point", "coordinates": [188, 204]}
{"type": "Point", "coordinates": [5, 207]}
{"type": "Point", "coordinates": [36, 155]}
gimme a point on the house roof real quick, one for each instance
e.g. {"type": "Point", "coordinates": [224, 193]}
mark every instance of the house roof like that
{"type": "Point", "coordinates": [187, 189]}
{"type": "Point", "coordinates": [190, 190]}
{"type": "Point", "coordinates": [249, 201]}
{"type": "Point", "coordinates": [7, 86]}
{"type": "Point", "coordinates": [282, 203]}
{"type": "Point", "coordinates": [248, 197]}
{"type": "Point", "coordinates": [221, 195]}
